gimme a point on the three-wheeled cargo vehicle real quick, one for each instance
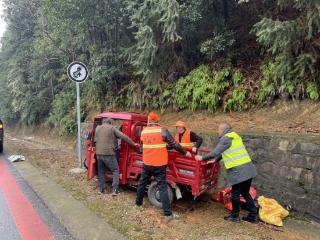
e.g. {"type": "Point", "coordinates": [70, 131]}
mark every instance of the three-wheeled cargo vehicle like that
{"type": "Point", "coordinates": [197, 177]}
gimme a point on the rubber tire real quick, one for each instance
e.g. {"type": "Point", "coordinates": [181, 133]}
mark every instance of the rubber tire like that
{"type": "Point", "coordinates": [154, 194]}
{"type": "Point", "coordinates": [1, 147]}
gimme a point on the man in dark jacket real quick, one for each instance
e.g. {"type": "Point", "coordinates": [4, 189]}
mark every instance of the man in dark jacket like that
{"type": "Point", "coordinates": [240, 171]}
{"type": "Point", "coordinates": [105, 137]}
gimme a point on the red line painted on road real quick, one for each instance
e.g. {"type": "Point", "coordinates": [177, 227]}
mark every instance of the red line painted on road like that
{"type": "Point", "coordinates": [27, 219]}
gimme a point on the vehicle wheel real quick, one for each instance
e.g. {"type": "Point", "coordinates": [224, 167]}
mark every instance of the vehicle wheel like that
{"type": "Point", "coordinates": [1, 147]}
{"type": "Point", "coordinates": [154, 194]}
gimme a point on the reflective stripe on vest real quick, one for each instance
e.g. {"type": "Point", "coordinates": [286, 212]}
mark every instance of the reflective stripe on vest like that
{"type": "Point", "coordinates": [154, 148]}
{"type": "Point", "coordinates": [151, 130]}
{"type": "Point", "coordinates": [236, 155]}
{"type": "Point", "coordinates": [185, 140]}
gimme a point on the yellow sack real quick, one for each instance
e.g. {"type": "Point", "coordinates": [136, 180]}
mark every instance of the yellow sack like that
{"type": "Point", "coordinates": [271, 211]}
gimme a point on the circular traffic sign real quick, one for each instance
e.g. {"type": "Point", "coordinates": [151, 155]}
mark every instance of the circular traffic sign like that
{"type": "Point", "coordinates": [78, 72]}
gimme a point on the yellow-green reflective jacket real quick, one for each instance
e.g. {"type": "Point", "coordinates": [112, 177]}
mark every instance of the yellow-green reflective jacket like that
{"type": "Point", "coordinates": [236, 155]}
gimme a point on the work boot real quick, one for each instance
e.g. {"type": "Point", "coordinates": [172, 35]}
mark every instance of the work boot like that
{"type": "Point", "coordinates": [139, 207]}
{"type": "Point", "coordinates": [251, 219]}
{"type": "Point", "coordinates": [232, 218]}
{"type": "Point", "coordinates": [171, 217]}
{"type": "Point", "coordinates": [104, 191]}
{"type": "Point", "coordinates": [115, 192]}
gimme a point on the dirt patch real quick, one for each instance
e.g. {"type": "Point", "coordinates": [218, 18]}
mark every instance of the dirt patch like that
{"type": "Point", "coordinates": [198, 219]}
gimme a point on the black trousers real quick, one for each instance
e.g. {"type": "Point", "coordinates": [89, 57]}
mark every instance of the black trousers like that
{"type": "Point", "coordinates": [160, 174]}
{"type": "Point", "coordinates": [243, 188]}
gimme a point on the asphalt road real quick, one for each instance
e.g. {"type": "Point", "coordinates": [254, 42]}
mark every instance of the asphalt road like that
{"type": "Point", "coordinates": [23, 215]}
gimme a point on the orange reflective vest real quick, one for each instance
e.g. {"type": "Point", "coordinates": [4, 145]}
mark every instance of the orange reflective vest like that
{"type": "Point", "coordinates": [154, 148]}
{"type": "Point", "coordinates": [185, 140]}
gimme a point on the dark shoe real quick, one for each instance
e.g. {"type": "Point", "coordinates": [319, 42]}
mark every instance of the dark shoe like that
{"type": "Point", "coordinates": [115, 193]}
{"type": "Point", "coordinates": [254, 220]}
{"type": "Point", "coordinates": [171, 217]}
{"type": "Point", "coordinates": [139, 207]}
{"type": "Point", "coordinates": [232, 218]}
{"type": "Point", "coordinates": [102, 192]}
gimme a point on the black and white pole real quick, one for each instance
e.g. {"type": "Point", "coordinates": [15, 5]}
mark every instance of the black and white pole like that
{"type": "Point", "coordinates": [78, 72]}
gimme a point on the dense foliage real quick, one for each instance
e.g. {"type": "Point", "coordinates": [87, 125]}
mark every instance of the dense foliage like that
{"type": "Point", "coordinates": [165, 54]}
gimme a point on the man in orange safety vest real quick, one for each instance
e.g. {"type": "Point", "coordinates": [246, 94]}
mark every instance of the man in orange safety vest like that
{"type": "Point", "coordinates": [155, 159]}
{"type": "Point", "coordinates": [187, 138]}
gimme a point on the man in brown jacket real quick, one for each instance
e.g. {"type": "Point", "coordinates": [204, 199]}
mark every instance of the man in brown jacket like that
{"type": "Point", "coordinates": [105, 137]}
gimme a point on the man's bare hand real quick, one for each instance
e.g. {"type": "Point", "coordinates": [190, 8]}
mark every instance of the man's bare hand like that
{"type": "Point", "coordinates": [194, 149]}
{"type": "Point", "coordinates": [198, 158]}
{"type": "Point", "coordinates": [137, 145]}
{"type": "Point", "coordinates": [188, 154]}
{"type": "Point", "coordinates": [211, 161]}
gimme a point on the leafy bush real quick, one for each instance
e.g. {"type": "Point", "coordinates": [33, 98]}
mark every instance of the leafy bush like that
{"type": "Point", "coordinates": [268, 87]}
{"type": "Point", "coordinates": [63, 114]}
{"type": "Point", "coordinates": [167, 98]}
{"type": "Point", "coordinates": [276, 79]}
{"type": "Point", "coordinates": [199, 90]}
{"type": "Point", "coordinates": [266, 90]}
{"type": "Point", "coordinates": [313, 91]}
{"type": "Point", "coordinates": [238, 102]}
{"type": "Point", "coordinates": [237, 77]}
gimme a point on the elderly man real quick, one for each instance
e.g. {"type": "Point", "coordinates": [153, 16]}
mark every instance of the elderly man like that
{"type": "Point", "coordinates": [105, 137]}
{"type": "Point", "coordinates": [155, 159]}
{"type": "Point", "coordinates": [187, 138]}
{"type": "Point", "coordinates": [240, 171]}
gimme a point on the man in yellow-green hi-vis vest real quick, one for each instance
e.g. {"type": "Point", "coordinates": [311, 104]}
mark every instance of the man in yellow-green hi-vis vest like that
{"type": "Point", "coordinates": [240, 171]}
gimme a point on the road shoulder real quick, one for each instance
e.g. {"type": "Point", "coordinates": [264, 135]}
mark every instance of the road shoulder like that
{"type": "Point", "coordinates": [76, 217]}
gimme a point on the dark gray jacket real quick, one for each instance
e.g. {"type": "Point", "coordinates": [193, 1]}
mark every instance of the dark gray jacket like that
{"type": "Point", "coordinates": [237, 174]}
{"type": "Point", "coordinates": [105, 138]}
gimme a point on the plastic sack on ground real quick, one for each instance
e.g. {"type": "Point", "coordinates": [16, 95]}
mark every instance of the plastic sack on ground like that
{"type": "Point", "coordinates": [271, 211]}
{"type": "Point", "coordinates": [224, 196]}
{"type": "Point", "coordinates": [16, 158]}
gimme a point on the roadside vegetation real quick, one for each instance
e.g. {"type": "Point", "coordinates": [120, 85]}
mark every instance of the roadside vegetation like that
{"type": "Point", "coordinates": [167, 55]}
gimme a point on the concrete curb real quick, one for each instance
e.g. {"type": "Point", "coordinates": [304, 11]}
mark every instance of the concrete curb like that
{"type": "Point", "coordinates": [82, 223]}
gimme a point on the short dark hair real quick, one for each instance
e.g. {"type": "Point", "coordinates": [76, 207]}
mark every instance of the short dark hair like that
{"type": "Point", "coordinates": [107, 121]}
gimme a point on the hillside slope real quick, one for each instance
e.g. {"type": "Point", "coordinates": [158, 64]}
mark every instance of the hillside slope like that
{"type": "Point", "coordinates": [283, 117]}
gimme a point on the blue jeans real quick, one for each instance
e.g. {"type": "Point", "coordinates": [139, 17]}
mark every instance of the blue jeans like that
{"type": "Point", "coordinates": [104, 162]}
{"type": "Point", "coordinates": [160, 174]}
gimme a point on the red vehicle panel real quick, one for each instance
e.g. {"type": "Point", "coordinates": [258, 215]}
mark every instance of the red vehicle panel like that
{"type": "Point", "coordinates": [199, 177]}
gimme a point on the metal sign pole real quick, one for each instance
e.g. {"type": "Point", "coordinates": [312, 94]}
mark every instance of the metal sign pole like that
{"type": "Point", "coordinates": [78, 72]}
{"type": "Point", "coordinates": [79, 125]}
